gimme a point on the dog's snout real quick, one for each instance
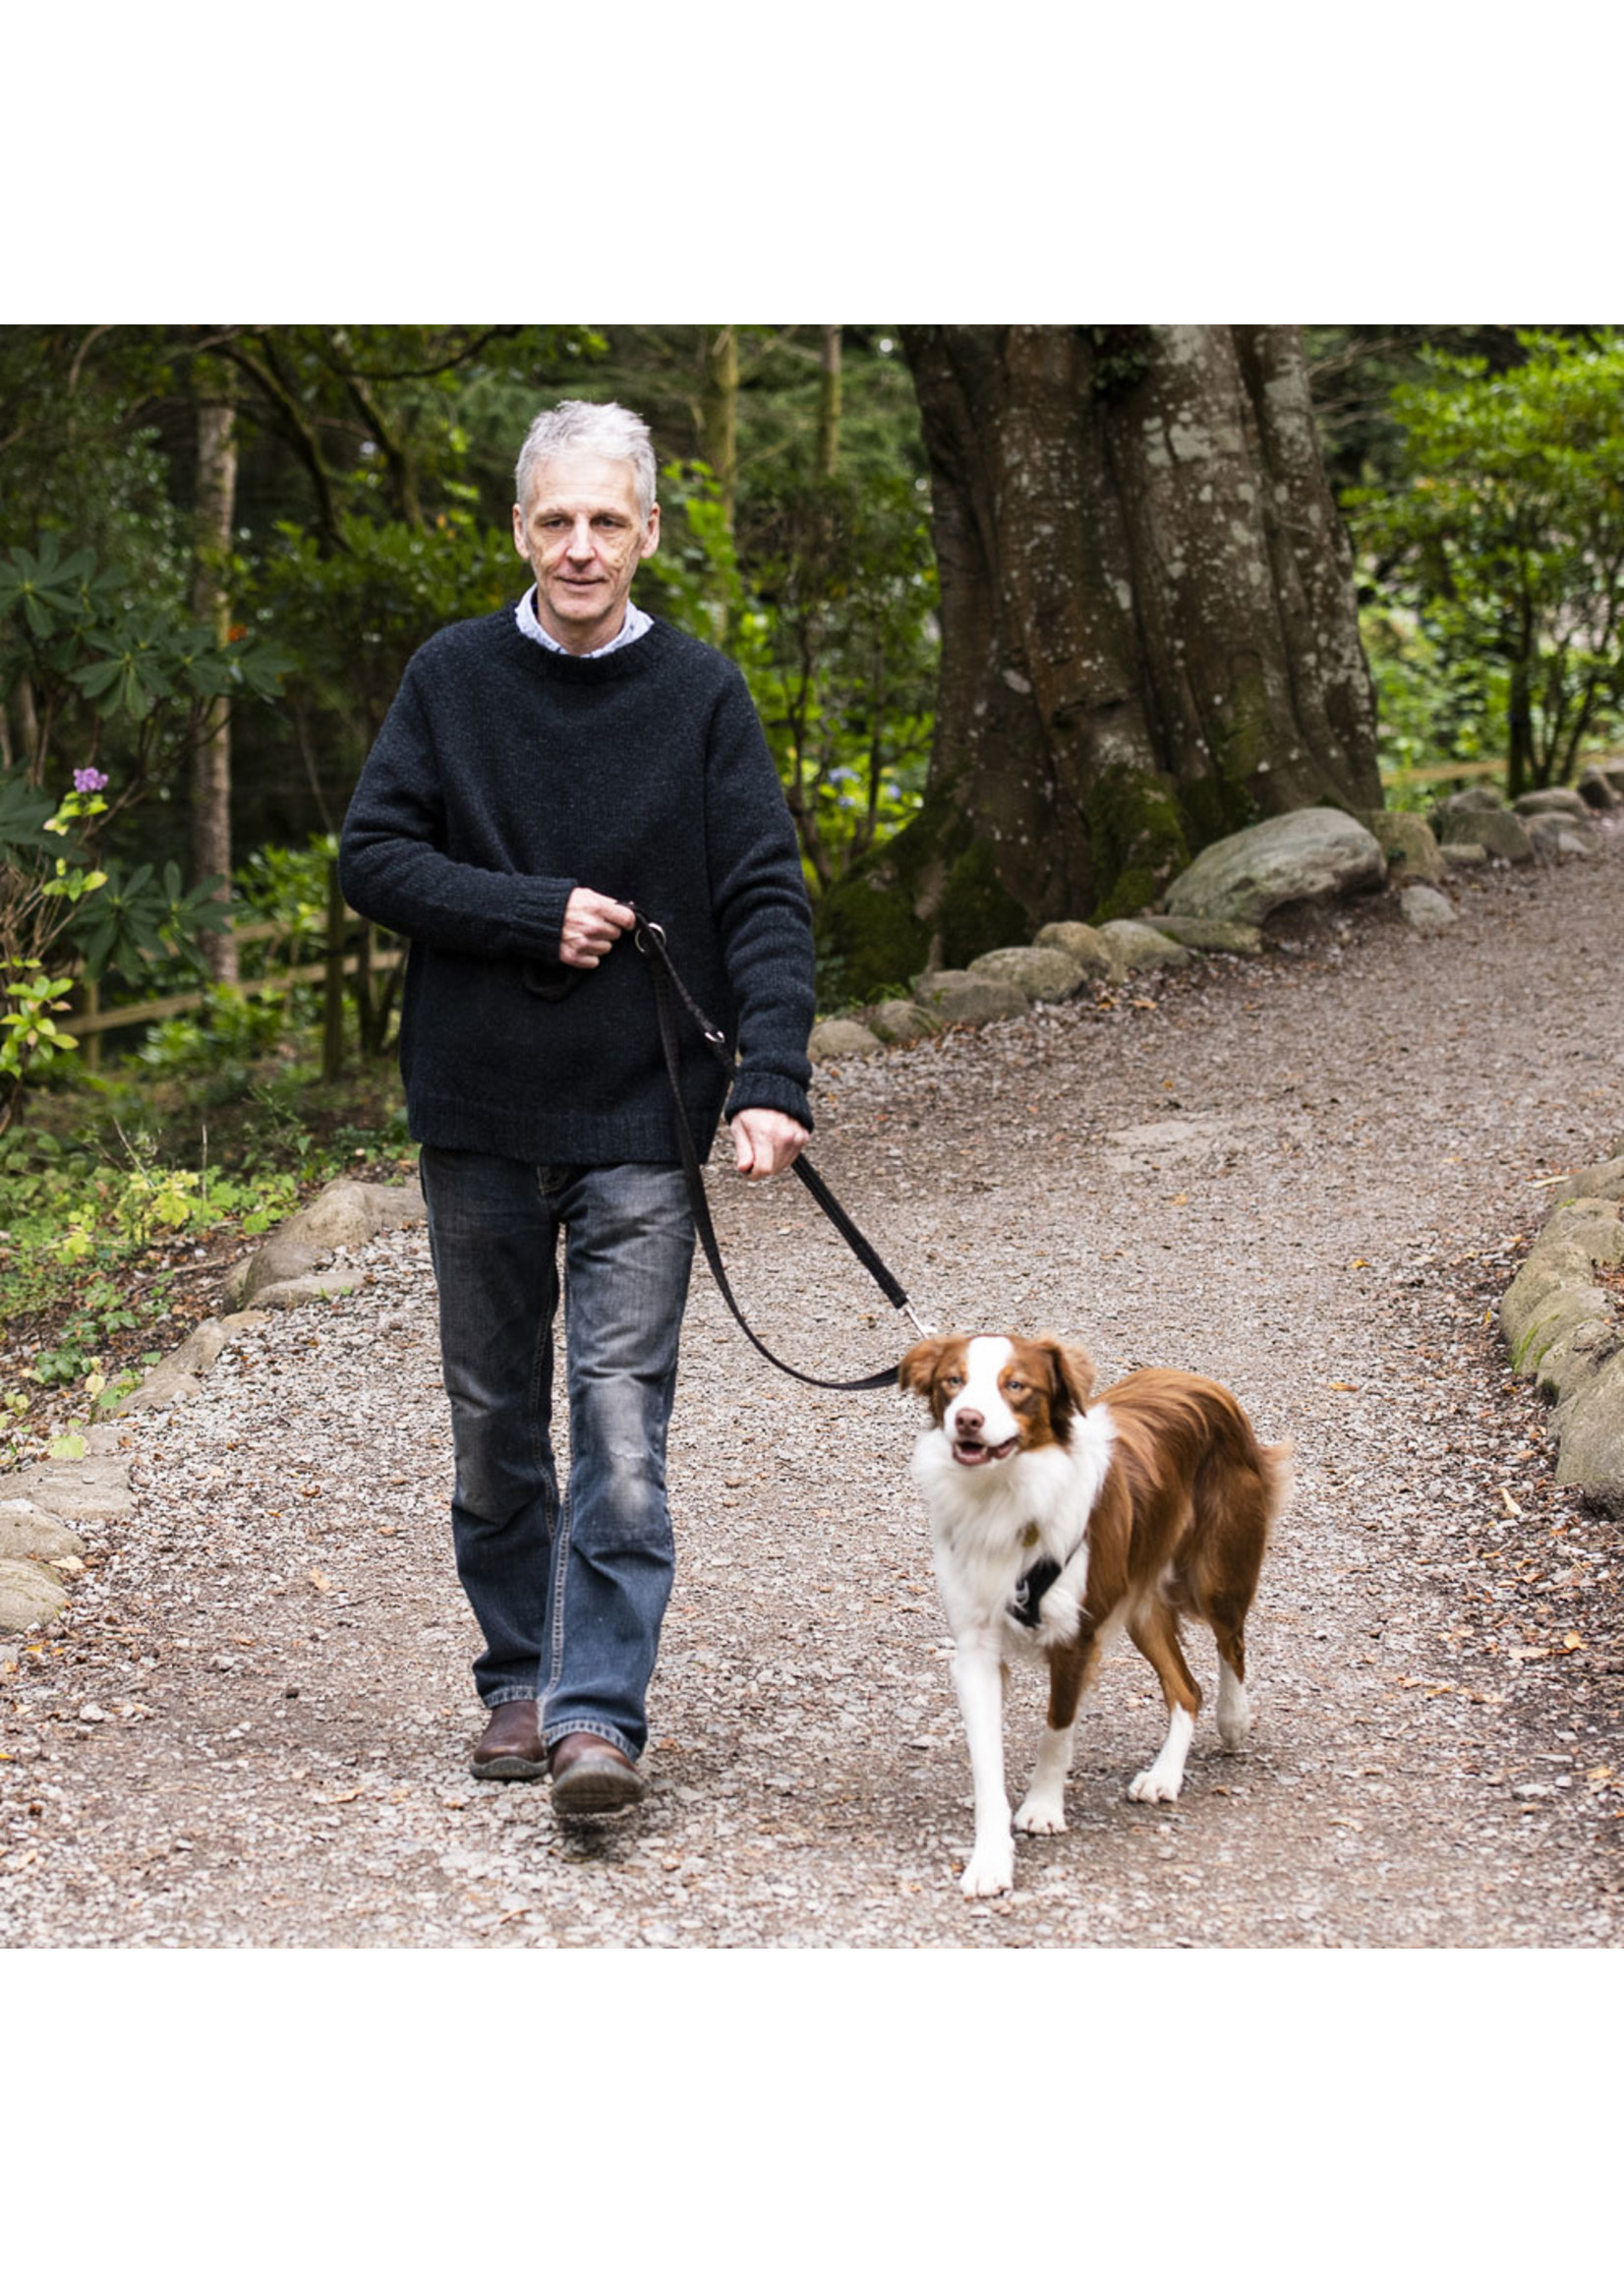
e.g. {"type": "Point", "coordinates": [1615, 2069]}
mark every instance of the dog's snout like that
{"type": "Point", "coordinates": [969, 1422]}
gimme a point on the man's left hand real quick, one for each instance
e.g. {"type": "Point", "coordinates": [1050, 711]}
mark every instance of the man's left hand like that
{"type": "Point", "coordinates": [765, 1141]}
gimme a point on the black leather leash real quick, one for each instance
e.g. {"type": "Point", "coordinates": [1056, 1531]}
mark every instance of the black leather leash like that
{"type": "Point", "coordinates": [651, 942]}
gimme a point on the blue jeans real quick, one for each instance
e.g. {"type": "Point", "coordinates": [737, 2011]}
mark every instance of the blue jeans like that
{"type": "Point", "coordinates": [569, 1593]}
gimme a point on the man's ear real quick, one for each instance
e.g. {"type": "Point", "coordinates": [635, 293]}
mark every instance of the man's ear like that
{"type": "Point", "coordinates": [919, 1364]}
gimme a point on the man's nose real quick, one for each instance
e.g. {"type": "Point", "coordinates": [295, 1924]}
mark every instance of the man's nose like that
{"type": "Point", "coordinates": [580, 538]}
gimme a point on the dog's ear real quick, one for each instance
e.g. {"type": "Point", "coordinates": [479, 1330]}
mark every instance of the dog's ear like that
{"type": "Point", "coordinates": [919, 1364]}
{"type": "Point", "coordinates": [1075, 1373]}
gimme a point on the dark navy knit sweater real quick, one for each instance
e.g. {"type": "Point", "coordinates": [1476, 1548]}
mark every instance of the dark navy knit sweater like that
{"type": "Point", "coordinates": [506, 776]}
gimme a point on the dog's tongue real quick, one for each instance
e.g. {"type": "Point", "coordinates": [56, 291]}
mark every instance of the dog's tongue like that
{"type": "Point", "coordinates": [975, 1455]}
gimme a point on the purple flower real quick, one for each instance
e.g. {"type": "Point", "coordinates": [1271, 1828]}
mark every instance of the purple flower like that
{"type": "Point", "coordinates": [87, 777]}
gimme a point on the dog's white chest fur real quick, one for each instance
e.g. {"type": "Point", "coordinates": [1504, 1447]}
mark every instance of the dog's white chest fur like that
{"type": "Point", "coordinates": [990, 1525]}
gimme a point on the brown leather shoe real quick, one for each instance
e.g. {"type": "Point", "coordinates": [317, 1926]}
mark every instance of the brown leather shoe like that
{"type": "Point", "coordinates": [512, 1746]}
{"type": "Point", "coordinates": [591, 1778]}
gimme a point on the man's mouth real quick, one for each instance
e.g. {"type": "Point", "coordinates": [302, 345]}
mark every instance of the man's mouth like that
{"type": "Point", "coordinates": [971, 1453]}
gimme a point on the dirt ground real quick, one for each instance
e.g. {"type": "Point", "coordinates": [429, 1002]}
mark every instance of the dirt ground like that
{"type": "Point", "coordinates": [1309, 1176]}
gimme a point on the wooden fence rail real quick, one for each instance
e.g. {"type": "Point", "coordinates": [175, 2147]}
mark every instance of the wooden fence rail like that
{"type": "Point", "coordinates": [338, 962]}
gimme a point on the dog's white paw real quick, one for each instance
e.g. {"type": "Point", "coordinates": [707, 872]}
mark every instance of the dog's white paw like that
{"type": "Point", "coordinates": [1039, 1815]}
{"type": "Point", "coordinates": [989, 1872]}
{"type": "Point", "coordinates": [1155, 1783]}
{"type": "Point", "coordinates": [1234, 1730]}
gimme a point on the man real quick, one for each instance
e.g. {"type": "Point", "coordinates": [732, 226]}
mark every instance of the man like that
{"type": "Point", "coordinates": [542, 770]}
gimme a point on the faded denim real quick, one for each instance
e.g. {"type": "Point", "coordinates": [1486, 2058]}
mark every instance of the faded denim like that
{"type": "Point", "coordinates": [569, 1593]}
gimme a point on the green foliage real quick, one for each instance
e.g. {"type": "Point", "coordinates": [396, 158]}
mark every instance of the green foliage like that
{"type": "Point", "coordinates": [1432, 708]}
{"type": "Point", "coordinates": [1505, 544]}
{"type": "Point", "coordinates": [287, 885]}
{"type": "Point", "coordinates": [106, 684]}
{"type": "Point", "coordinates": [353, 612]}
{"type": "Point", "coordinates": [829, 615]}
{"type": "Point", "coordinates": [230, 1030]}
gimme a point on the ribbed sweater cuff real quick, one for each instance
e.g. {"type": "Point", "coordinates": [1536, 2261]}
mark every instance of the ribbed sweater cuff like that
{"type": "Point", "coordinates": [772, 1092]}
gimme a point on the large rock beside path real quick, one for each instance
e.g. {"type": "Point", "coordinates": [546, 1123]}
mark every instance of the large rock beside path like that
{"type": "Point", "coordinates": [1043, 975]}
{"type": "Point", "coordinates": [1503, 836]}
{"type": "Point", "coordinates": [842, 1038]}
{"type": "Point", "coordinates": [346, 1215]}
{"type": "Point", "coordinates": [1317, 855]}
{"type": "Point", "coordinates": [29, 1595]}
{"type": "Point", "coordinates": [1559, 836]}
{"type": "Point", "coordinates": [75, 1493]}
{"type": "Point", "coordinates": [1210, 935]}
{"type": "Point", "coordinates": [967, 998]}
{"type": "Point", "coordinates": [181, 1374]}
{"type": "Point", "coordinates": [1137, 947]}
{"type": "Point", "coordinates": [1425, 910]}
{"type": "Point", "coordinates": [1562, 1325]}
{"type": "Point", "coordinates": [895, 1021]}
{"type": "Point", "coordinates": [27, 1531]}
{"type": "Point", "coordinates": [1083, 943]}
{"type": "Point", "coordinates": [1557, 800]}
{"type": "Point", "coordinates": [1412, 855]}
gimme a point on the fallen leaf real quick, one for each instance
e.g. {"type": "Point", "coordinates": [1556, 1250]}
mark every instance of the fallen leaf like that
{"type": "Point", "coordinates": [336, 1799]}
{"type": "Point", "coordinates": [1181, 1200]}
{"type": "Point", "coordinates": [1598, 1776]}
{"type": "Point", "coordinates": [1573, 1641]}
{"type": "Point", "coordinates": [67, 1564]}
{"type": "Point", "coordinates": [321, 1582]}
{"type": "Point", "coordinates": [1346, 1386]}
{"type": "Point", "coordinates": [1519, 1656]}
{"type": "Point", "coordinates": [1512, 1508]}
{"type": "Point", "coordinates": [245, 1642]}
{"type": "Point", "coordinates": [1359, 1263]}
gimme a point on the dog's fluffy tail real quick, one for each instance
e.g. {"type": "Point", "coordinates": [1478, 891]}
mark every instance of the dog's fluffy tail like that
{"type": "Point", "coordinates": [1279, 1469]}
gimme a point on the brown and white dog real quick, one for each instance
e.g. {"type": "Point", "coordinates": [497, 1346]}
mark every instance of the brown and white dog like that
{"type": "Point", "coordinates": [1056, 1520]}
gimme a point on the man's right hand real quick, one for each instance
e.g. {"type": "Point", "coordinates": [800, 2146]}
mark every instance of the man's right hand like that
{"type": "Point", "coordinates": [591, 925]}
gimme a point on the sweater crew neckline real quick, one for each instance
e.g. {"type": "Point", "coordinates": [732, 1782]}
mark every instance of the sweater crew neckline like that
{"type": "Point", "coordinates": [556, 663]}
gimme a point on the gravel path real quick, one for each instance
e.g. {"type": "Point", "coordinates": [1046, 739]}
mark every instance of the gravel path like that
{"type": "Point", "coordinates": [1309, 1176]}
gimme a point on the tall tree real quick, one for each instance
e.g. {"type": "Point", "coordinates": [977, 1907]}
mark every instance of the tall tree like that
{"type": "Point", "coordinates": [216, 499]}
{"type": "Point", "coordinates": [1148, 630]}
{"type": "Point", "coordinates": [828, 404]}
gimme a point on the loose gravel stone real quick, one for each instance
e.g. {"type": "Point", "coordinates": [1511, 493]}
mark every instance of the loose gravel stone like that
{"type": "Point", "coordinates": [1370, 1123]}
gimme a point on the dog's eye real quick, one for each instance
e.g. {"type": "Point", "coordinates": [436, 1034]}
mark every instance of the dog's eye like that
{"type": "Point", "coordinates": [953, 1382]}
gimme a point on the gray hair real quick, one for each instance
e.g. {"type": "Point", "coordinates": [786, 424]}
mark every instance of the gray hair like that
{"type": "Point", "coordinates": [606, 429]}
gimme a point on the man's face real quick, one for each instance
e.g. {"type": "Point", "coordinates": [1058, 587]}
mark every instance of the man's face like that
{"type": "Point", "coordinates": [581, 531]}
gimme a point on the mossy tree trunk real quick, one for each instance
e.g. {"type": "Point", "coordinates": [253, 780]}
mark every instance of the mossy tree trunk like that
{"type": "Point", "coordinates": [1149, 625]}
